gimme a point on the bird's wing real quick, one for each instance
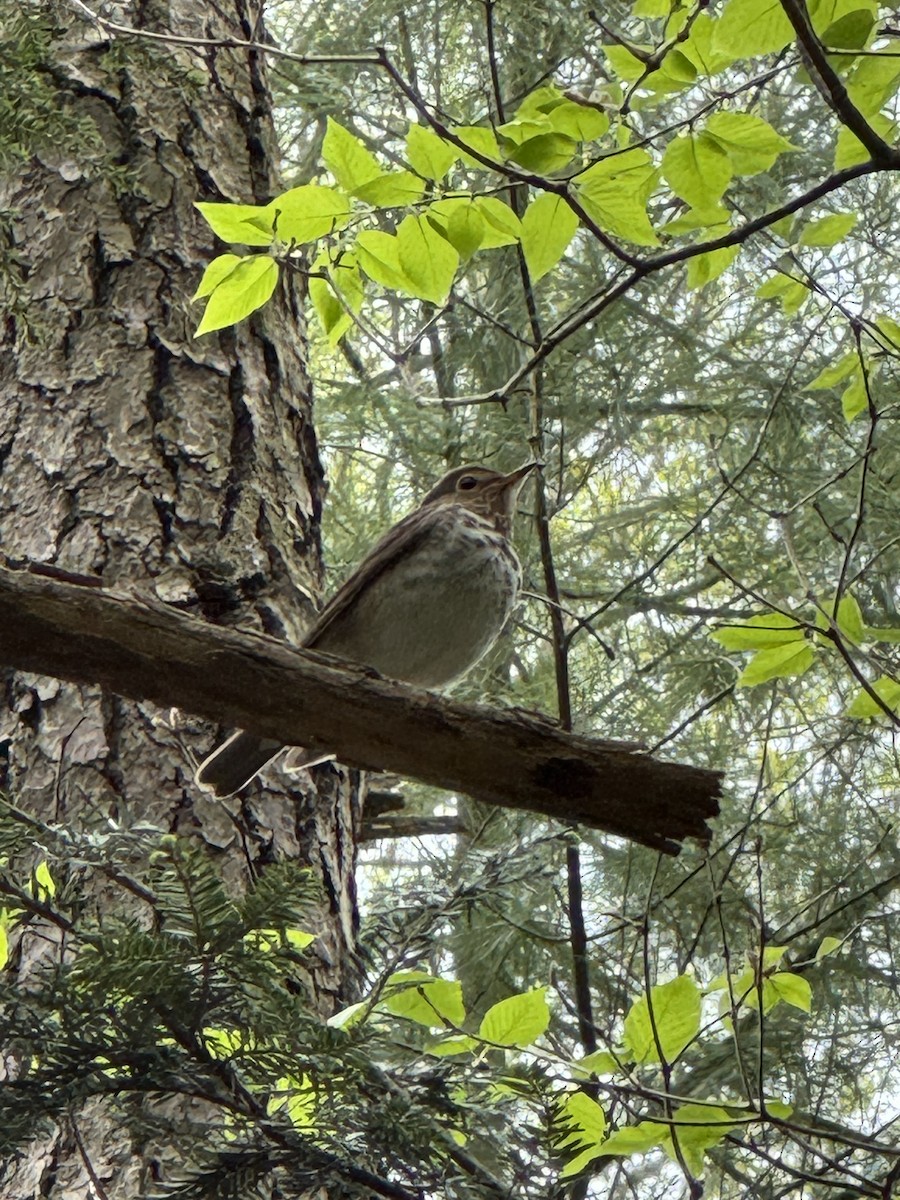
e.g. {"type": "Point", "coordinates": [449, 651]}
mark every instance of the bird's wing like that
{"type": "Point", "coordinates": [400, 540]}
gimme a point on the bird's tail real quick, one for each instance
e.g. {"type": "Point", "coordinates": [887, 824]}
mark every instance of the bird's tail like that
{"type": "Point", "coordinates": [232, 765]}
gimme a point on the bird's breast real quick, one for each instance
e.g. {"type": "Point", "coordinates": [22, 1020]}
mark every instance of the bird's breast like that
{"type": "Point", "coordinates": [428, 618]}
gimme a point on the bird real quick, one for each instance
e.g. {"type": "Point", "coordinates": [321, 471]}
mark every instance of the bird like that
{"type": "Point", "coordinates": [423, 607]}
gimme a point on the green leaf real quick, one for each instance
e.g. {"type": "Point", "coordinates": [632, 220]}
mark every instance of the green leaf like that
{"type": "Point", "coordinates": [601, 1062]}
{"type": "Point", "coordinates": [615, 192]}
{"type": "Point", "coordinates": [752, 145]}
{"type": "Point", "coordinates": [652, 8]}
{"type": "Point", "coordinates": [623, 63]}
{"type": "Point", "coordinates": [675, 72]}
{"type": "Point", "coordinates": [217, 270]}
{"type": "Point", "coordinates": [777, 663]}
{"type": "Point", "coordinates": [850, 150]}
{"type": "Point", "coordinates": [792, 989]}
{"type": "Point", "coordinates": [480, 139]}
{"type": "Point", "coordinates": [241, 292]}
{"type": "Point", "coordinates": [864, 705]}
{"type": "Point", "coordinates": [584, 1119]}
{"type": "Point", "coordinates": [580, 1161]}
{"type": "Point", "coordinates": [306, 213]}
{"type": "Point", "coordinates": [334, 296]}
{"type": "Point", "coordinates": [242, 224]}
{"type": "Point", "coordinates": [4, 945]}
{"type": "Point", "coordinates": [834, 374]}
{"type": "Point", "coordinates": [583, 122]}
{"type": "Point", "coordinates": [778, 1109]}
{"type": "Point", "coordinates": [693, 219]}
{"type": "Point", "coordinates": [428, 154]}
{"type": "Point", "coordinates": [349, 1016]}
{"type": "Point", "coordinates": [827, 946]}
{"type": "Point", "coordinates": [465, 229]}
{"type": "Point", "coordinates": [426, 259]}
{"type": "Point", "coordinates": [517, 1021]}
{"type": "Point", "coordinates": [760, 632]}
{"type": "Point", "coordinates": [296, 1099]}
{"type": "Point", "coordinates": [435, 1002]}
{"type": "Point", "coordinates": [392, 189]}
{"type": "Point", "coordinates": [347, 158]}
{"type": "Point", "coordinates": [548, 225]}
{"type": "Point", "coordinates": [747, 28]}
{"type": "Point", "coordinates": [850, 620]}
{"type": "Point", "coordinates": [676, 1013]}
{"type": "Point", "coordinates": [851, 32]}
{"type": "Point", "coordinates": [828, 231]}
{"type": "Point", "coordinates": [502, 225]}
{"type": "Point", "coordinates": [499, 224]}
{"type": "Point", "coordinates": [791, 292]}
{"type": "Point", "coordinates": [379, 257]}
{"type": "Point", "coordinates": [452, 1045]}
{"type": "Point", "coordinates": [887, 333]}
{"type": "Point", "coordinates": [44, 883]}
{"type": "Point", "coordinates": [854, 399]}
{"type": "Point", "coordinates": [704, 268]}
{"type": "Point", "coordinates": [696, 168]}
{"type": "Point", "coordinates": [634, 1139]}
{"type": "Point", "coordinates": [545, 154]}
{"type": "Point", "coordinates": [700, 47]}
{"type": "Point", "coordinates": [875, 78]}
{"type": "Point", "coordinates": [874, 633]}
{"type": "Point", "coordinates": [698, 1127]}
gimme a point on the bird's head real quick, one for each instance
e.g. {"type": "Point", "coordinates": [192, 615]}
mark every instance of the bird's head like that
{"type": "Point", "coordinates": [488, 493]}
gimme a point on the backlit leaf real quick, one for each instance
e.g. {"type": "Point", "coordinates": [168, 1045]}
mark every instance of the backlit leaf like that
{"type": "Point", "coordinates": [759, 633]}
{"type": "Point", "coordinates": [379, 257]}
{"type": "Point", "coordinates": [347, 158]}
{"type": "Point", "coordinates": [306, 213]}
{"type": "Point", "coordinates": [465, 229]}
{"type": "Point", "coordinates": [827, 231]}
{"type": "Point", "coordinates": [239, 224]}
{"type": "Point", "coordinates": [696, 168]}
{"type": "Point", "coordinates": [433, 1002]}
{"type": "Point", "coordinates": [704, 268]}
{"type": "Point", "coordinates": [747, 28]}
{"type": "Point", "coordinates": [854, 399]}
{"type": "Point", "coordinates": [426, 259]}
{"type": "Point", "coordinates": [676, 1017]}
{"type": "Point", "coordinates": [517, 1021]}
{"type": "Point", "coordinates": [792, 989]}
{"type": "Point", "coordinates": [850, 150]}
{"type": "Point", "coordinates": [864, 705]}
{"type": "Point", "coordinates": [615, 192]}
{"type": "Point", "coordinates": [834, 374]}
{"type": "Point", "coordinates": [779, 662]}
{"type": "Point", "coordinates": [240, 293]}
{"type": "Point", "coordinates": [752, 145]}
{"type": "Point", "coordinates": [428, 154]}
{"type": "Point", "coordinates": [392, 189]}
{"type": "Point", "coordinates": [548, 225]}
{"type": "Point", "coordinates": [217, 270]}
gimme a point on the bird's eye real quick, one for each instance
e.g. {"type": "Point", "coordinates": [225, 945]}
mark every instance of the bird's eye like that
{"type": "Point", "coordinates": [467, 483]}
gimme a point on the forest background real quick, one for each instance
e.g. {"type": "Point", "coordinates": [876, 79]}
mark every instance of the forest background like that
{"type": "Point", "coordinates": [654, 247]}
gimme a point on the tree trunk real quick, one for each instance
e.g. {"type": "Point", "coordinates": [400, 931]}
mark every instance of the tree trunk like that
{"type": "Point", "coordinates": [180, 469]}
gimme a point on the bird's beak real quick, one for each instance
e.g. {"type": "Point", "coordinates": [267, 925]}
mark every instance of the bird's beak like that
{"type": "Point", "coordinates": [512, 482]}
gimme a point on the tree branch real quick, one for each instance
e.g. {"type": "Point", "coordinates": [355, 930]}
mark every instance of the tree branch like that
{"type": "Point", "coordinates": [144, 650]}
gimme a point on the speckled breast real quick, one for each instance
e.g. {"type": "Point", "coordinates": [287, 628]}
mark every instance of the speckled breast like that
{"type": "Point", "coordinates": [430, 617]}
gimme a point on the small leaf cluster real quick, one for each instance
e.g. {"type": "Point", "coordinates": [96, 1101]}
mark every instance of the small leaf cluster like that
{"type": "Point", "coordinates": [783, 645]}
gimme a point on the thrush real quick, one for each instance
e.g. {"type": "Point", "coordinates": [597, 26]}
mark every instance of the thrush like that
{"type": "Point", "coordinates": [423, 607]}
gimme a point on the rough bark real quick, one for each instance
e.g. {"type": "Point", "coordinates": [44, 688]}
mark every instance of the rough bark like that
{"type": "Point", "coordinates": [131, 452]}
{"type": "Point", "coordinates": [508, 758]}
